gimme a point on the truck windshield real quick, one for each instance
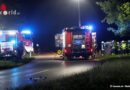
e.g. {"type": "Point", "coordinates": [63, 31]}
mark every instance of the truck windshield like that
{"type": "Point", "coordinates": [78, 36]}
{"type": "Point", "coordinates": [2, 38]}
{"type": "Point", "coordinates": [78, 39]}
{"type": "Point", "coordinates": [5, 38]}
{"type": "Point", "coordinates": [10, 38]}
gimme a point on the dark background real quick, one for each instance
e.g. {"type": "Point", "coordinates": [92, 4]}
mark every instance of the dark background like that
{"type": "Point", "coordinates": [47, 17]}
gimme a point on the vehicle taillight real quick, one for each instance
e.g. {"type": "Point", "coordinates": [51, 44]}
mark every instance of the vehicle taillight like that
{"type": "Point", "coordinates": [91, 50]}
{"type": "Point", "coordinates": [65, 51]}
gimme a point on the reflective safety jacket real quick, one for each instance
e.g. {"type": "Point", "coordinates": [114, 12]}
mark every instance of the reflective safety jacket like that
{"type": "Point", "coordinates": [119, 48]}
{"type": "Point", "coordinates": [113, 46]}
{"type": "Point", "coordinates": [128, 46]}
{"type": "Point", "coordinates": [123, 46]}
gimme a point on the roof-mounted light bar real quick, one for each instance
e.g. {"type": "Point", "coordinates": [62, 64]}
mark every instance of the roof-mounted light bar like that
{"type": "Point", "coordinates": [87, 27]}
{"type": "Point", "coordinates": [26, 32]}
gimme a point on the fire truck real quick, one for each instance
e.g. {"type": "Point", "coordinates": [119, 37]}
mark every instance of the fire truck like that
{"type": "Point", "coordinates": [14, 43]}
{"type": "Point", "coordinates": [76, 42]}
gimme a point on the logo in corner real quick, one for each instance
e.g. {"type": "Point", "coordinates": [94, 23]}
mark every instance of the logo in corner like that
{"type": "Point", "coordinates": [5, 12]}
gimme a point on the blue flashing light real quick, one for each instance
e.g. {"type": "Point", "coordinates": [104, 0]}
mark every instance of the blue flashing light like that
{"type": "Point", "coordinates": [26, 32]}
{"type": "Point", "coordinates": [87, 27]}
{"type": "Point", "coordinates": [90, 27]}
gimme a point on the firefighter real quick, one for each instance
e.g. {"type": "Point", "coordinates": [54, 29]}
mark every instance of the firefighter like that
{"type": "Point", "coordinates": [94, 51]}
{"type": "Point", "coordinates": [118, 48]}
{"type": "Point", "coordinates": [123, 47]}
{"type": "Point", "coordinates": [113, 47]}
{"type": "Point", "coordinates": [102, 48]}
{"type": "Point", "coordinates": [129, 46]}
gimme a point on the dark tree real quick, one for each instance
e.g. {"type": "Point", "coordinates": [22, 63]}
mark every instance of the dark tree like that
{"type": "Point", "coordinates": [117, 13]}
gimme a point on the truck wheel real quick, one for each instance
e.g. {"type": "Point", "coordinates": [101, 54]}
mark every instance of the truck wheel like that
{"type": "Point", "coordinates": [86, 57]}
{"type": "Point", "coordinates": [67, 58]}
{"type": "Point", "coordinates": [93, 56]}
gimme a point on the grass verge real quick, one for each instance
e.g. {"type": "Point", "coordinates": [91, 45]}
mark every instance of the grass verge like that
{"type": "Point", "coordinates": [13, 62]}
{"type": "Point", "coordinates": [114, 72]}
{"type": "Point", "coordinates": [113, 57]}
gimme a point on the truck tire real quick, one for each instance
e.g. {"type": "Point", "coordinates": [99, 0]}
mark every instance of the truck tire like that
{"type": "Point", "coordinates": [67, 58]}
{"type": "Point", "coordinates": [93, 56]}
{"type": "Point", "coordinates": [86, 57]}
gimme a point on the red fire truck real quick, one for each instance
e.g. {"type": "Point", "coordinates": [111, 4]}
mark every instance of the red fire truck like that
{"type": "Point", "coordinates": [14, 43]}
{"type": "Point", "coordinates": [76, 42]}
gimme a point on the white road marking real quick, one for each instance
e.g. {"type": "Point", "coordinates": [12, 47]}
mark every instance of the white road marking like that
{"type": "Point", "coordinates": [37, 73]}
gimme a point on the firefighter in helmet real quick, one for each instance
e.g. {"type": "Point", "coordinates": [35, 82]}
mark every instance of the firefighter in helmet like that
{"type": "Point", "coordinates": [129, 46]}
{"type": "Point", "coordinates": [94, 50]}
{"type": "Point", "coordinates": [113, 47]}
{"type": "Point", "coordinates": [102, 48]}
{"type": "Point", "coordinates": [123, 47]}
{"type": "Point", "coordinates": [118, 48]}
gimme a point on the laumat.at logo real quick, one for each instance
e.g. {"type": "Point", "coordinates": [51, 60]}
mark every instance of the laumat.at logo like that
{"type": "Point", "coordinates": [4, 12]}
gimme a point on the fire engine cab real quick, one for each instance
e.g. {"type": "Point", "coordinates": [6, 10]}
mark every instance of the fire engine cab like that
{"type": "Point", "coordinates": [76, 42]}
{"type": "Point", "coordinates": [14, 43]}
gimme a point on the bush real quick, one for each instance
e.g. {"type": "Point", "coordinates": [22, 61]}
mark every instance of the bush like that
{"type": "Point", "coordinates": [13, 62]}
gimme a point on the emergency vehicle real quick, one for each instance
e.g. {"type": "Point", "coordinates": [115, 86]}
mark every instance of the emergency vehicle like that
{"type": "Point", "coordinates": [76, 42]}
{"type": "Point", "coordinates": [14, 43]}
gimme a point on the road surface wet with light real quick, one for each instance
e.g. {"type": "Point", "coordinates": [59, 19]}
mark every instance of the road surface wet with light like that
{"type": "Point", "coordinates": [44, 68]}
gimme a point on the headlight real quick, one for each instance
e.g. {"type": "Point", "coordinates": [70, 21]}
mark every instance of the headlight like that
{"type": "Point", "coordinates": [83, 46]}
{"type": "Point", "coordinates": [69, 45]}
{"type": "Point", "coordinates": [1, 33]}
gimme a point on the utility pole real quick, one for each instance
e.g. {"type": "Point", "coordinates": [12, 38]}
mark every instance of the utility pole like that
{"type": "Point", "coordinates": [79, 14]}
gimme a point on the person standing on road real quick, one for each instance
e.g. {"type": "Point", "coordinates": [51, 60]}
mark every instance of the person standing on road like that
{"type": "Point", "coordinates": [118, 48]}
{"type": "Point", "coordinates": [113, 47]}
{"type": "Point", "coordinates": [128, 46]}
{"type": "Point", "coordinates": [102, 48]}
{"type": "Point", "coordinates": [123, 47]}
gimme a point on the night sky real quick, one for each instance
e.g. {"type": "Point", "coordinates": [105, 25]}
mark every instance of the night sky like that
{"type": "Point", "coordinates": [48, 17]}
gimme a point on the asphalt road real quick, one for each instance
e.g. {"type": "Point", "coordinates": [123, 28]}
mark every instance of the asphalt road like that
{"type": "Point", "coordinates": [46, 67]}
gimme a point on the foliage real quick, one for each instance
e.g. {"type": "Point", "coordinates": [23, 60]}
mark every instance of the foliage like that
{"type": "Point", "coordinates": [7, 63]}
{"type": "Point", "coordinates": [118, 13]}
